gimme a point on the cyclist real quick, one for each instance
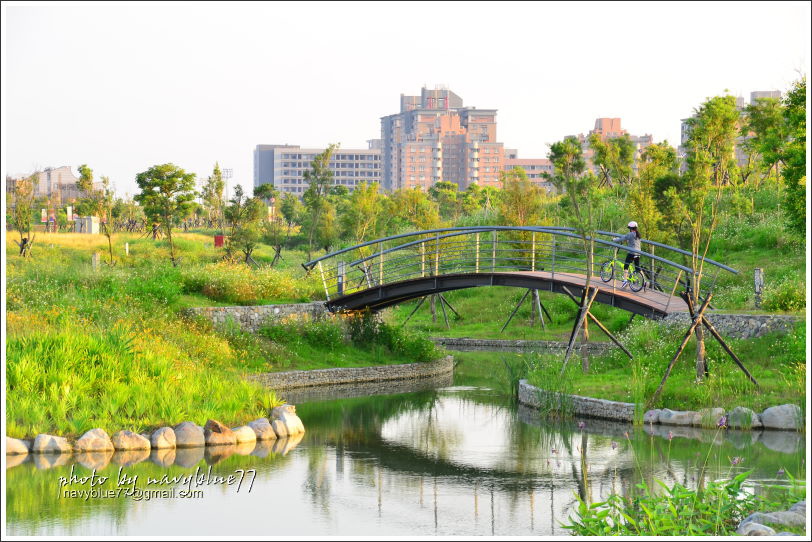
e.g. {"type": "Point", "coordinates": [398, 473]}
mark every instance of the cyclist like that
{"type": "Point", "coordinates": [632, 240]}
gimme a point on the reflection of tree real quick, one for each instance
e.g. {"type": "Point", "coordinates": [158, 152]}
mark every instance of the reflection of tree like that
{"type": "Point", "coordinates": [317, 484]}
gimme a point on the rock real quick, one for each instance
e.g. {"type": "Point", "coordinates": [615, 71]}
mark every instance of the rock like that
{"type": "Point", "coordinates": [677, 417]}
{"type": "Point", "coordinates": [799, 508]}
{"type": "Point", "coordinates": [163, 457]}
{"type": "Point", "coordinates": [189, 435]}
{"type": "Point", "coordinates": [15, 446]}
{"type": "Point", "coordinates": [244, 434]}
{"type": "Point", "coordinates": [262, 428]}
{"type": "Point", "coordinates": [218, 434]}
{"type": "Point", "coordinates": [163, 438]}
{"type": "Point", "coordinates": [743, 418]}
{"type": "Point", "coordinates": [280, 429]}
{"type": "Point", "coordinates": [95, 440]}
{"type": "Point", "coordinates": [776, 518]}
{"type": "Point", "coordinates": [126, 458]}
{"type": "Point", "coordinates": [708, 417]}
{"type": "Point", "coordinates": [287, 415]}
{"type": "Point", "coordinates": [127, 440]}
{"type": "Point", "coordinates": [50, 444]}
{"type": "Point", "coordinates": [652, 416]}
{"type": "Point", "coordinates": [189, 457]}
{"type": "Point", "coordinates": [754, 529]}
{"type": "Point", "coordinates": [782, 417]}
{"type": "Point", "coordinates": [94, 460]}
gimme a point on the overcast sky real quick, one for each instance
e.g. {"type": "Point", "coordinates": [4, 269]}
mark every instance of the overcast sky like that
{"type": "Point", "coordinates": [123, 87]}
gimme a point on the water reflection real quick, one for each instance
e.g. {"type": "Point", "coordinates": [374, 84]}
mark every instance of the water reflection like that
{"type": "Point", "coordinates": [429, 460]}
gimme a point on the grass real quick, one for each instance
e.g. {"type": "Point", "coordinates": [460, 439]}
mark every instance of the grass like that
{"type": "Point", "coordinates": [777, 362]}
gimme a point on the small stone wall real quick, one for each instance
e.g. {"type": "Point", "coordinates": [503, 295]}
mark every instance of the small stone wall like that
{"type": "Point", "coordinates": [581, 406]}
{"type": "Point", "coordinates": [469, 345]}
{"type": "Point", "coordinates": [345, 375]}
{"type": "Point", "coordinates": [741, 326]}
{"type": "Point", "coordinates": [250, 318]}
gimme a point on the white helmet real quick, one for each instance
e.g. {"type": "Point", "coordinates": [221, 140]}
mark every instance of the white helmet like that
{"type": "Point", "coordinates": [632, 224]}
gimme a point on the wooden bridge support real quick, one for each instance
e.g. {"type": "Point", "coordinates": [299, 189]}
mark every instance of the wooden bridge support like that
{"type": "Point", "coordinates": [536, 306]}
{"type": "Point", "coordinates": [698, 318]}
{"type": "Point", "coordinates": [600, 325]}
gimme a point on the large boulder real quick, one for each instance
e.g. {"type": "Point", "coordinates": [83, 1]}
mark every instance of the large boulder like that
{"type": "Point", "coordinates": [789, 518]}
{"type": "Point", "coordinates": [677, 417]}
{"type": "Point", "coordinates": [16, 446]}
{"type": "Point", "coordinates": [280, 429]}
{"type": "Point", "coordinates": [189, 435]}
{"type": "Point", "coordinates": [218, 434]}
{"type": "Point", "coordinates": [751, 528]}
{"type": "Point", "coordinates": [743, 418]}
{"type": "Point", "coordinates": [709, 417]}
{"type": "Point", "coordinates": [50, 444]}
{"type": "Point", "coordinates": [652, 416]}
{"type": "Point", "coordinates": [782, 417]}
{"type": "Point", "coordinates": [244, 434]}
{"type": "Point", "coordinates": [127, 440]}
{"type": "Point", "coordinates": [95, 440]}
{"type": "Point", "coordinates": [262, 428]}
{"type": "Point", "coordinates": [287, 415]}
{"type": "Point", "coordinates": [163, 438]}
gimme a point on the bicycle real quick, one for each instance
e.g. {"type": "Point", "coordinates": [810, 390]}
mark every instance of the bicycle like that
{"type": "Point", "coordinates": [637, 280]}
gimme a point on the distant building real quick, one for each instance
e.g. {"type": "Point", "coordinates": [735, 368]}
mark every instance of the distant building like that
{"type": "Point", "coordinates": [435, 138]}
{"type": "Point", "coordinates": [610, 128]}
{"type": "Point", "coordinates": [535, 169]}
{"type": "Point", "coordinates": [57, 184]}
{"type": "Point", "coordinates": [283, 166]}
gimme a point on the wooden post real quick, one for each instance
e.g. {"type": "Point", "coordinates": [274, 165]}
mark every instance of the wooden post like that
{"type": "Point", "coordinates": [94, 260]}
{"type": "Point", "coordinates": [127, 249]}
{"type": "Point", "coordinates": [324, 282]}
{"type": "Point", "coordinates": [758, 284]}
{"type": "Point", "coordinates": [697, 320]}
{"type": "Point", "coordinates": [600, 325]}
{"type": "Point", "coordinates": [582, 312]}
{"type": "Point", "coordinates": [537, 300]}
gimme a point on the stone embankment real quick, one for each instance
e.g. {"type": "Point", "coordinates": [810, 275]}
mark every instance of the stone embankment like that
{"type": "Point", "coordinates": [127, 447]}
{"type": "Point", "coordinates": [250, 318]}
{"type": "Point", "coordinates": [464, 344]}
{"type": "Point", "coordinates": [741, 326]}
{"type": "Point", "coordinates": [354, 375]}
{"type": "Point", "coordinates": [783, 417]}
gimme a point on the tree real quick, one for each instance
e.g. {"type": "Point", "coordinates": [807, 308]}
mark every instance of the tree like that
{"type": "Point", "coordinates": [657, 161]}
{"type": "Point", "coordinates": [447, 197]}
{"type": "Point", "coordinates": [21, 218]}
{"type": "Point", "coordinates": [794, 156]}
{"type": "Point", "coordinates": [245, 215]}
{"type": "Point", "coordinates": [85, 182]}
{"type": "Point", "coordinates": [291, 209]}
{"type": "Point", "coordinates": [104, 208]}
{"type": "Point", "coordinates": [364, 214]}
{"type": "Point", "coordinates": [320, 179]}
{"type": "Point", "coordinates": [710, 162]}
{"type": "Point", "coordinates": [212, 195]}
{"type": "Point", "coordinates": [413, 207]}
{"type": "Point", "coordinates": [166, 193]}
{"type": "Point", "coordinates": [765, 135]}
{"type": "Point", "coordinates": [613, 157]}
{"type": "Point", "coordinates": [522, 203]}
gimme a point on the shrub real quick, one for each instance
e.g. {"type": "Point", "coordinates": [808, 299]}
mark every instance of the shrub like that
{"type": "Point", "coordinates": [786, 295]}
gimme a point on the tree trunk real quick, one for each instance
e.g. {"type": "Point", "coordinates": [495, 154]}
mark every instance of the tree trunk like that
{"type": "Point", "coordinates": [433, 309]}
{"type": "Point", "coordinates": [701, 368]}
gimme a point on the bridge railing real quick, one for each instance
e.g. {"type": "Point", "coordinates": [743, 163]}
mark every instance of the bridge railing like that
{"type": "Point", "coordinates": [484, 249]}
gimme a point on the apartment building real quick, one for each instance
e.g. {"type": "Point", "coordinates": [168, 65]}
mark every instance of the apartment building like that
{"type": "Point", "coordinates": [58, 184]}
{"type": "Point", "coordinates": [535, 168]}
{"type": "Point", "coordinates": [435, 138]}
{"type": "Point", "coordinates": [283, 166]}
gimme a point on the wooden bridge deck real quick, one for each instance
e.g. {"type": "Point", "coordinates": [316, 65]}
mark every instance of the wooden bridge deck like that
{"type": "Point", "coordinates": [649, 303]}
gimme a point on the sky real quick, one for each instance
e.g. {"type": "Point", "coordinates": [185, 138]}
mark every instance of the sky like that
{"type": "Point", "coordinates": [125, 86]}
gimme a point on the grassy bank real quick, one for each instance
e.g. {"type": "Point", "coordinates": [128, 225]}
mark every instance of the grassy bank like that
{"type": "Point", "coordinates": [777, 362]}
{"type": "Point", "coordinates": [109, 348]}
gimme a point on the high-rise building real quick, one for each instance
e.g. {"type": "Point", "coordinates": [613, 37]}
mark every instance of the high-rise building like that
{"type": "Point", "coordinates": [283, 166]}
{"type": "Point", "coordinates": [435, 138]}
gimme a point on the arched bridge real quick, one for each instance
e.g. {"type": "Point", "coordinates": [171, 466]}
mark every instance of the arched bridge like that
{"type": "Point", "coordinates": [392, 270]}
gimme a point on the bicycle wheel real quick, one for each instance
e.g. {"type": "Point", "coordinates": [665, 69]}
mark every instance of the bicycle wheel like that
{"type": "Point", "coordinates": [607, 271]}
{"type": "Point", "coordinates": [636, 280]}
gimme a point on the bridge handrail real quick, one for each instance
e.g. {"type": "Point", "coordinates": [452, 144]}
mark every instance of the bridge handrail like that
{"type": "Point", "coordinates": [656, 244]}
{"type": "Point", "coordinates": [537, 229]}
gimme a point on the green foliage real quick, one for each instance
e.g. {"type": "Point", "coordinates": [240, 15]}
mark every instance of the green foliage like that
{"type": "Point", "coordinates": [794, 156]}
{"type": "Point", "coordinates": [788, 294]}
{"type": "Point", "coordinates": [715, 510]}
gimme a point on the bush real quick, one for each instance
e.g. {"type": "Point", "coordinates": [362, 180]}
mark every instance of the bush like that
{"type": "Point", "coordinates": [242, 285]}
{"type": "Point", "coordinates": [786, 295]}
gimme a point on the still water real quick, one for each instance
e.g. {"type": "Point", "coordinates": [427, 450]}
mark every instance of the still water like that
{"type": "Point", "coordinates": [447, 456]}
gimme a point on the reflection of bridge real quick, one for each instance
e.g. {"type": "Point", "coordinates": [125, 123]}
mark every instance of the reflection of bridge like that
{"type": "Point", "coordinates": [392, 270]}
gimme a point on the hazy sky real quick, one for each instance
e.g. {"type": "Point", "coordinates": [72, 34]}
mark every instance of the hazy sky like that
{"type": "Point", "coordinates": [122, 87]}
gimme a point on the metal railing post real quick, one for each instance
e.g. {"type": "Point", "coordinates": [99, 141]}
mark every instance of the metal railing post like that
{"type": "Point", "coordinates": [533, 255]}
{"type": "Point", "coordinates": [380, 271]}
{"type": "Point", "coordinates": [341, 277]}
{"type": "Point", "coordinates": [422, 259]}
{"type": "Point", "coordinates": [493, 251]}
{"type": "Point", "coordinates": [437, 255]}
{"type": "Point", "coordinates": [476, 268]}
{"type": "Point", "coordinates": [324, 282]}
{"type": "Point", "coordinates": [554, 241]}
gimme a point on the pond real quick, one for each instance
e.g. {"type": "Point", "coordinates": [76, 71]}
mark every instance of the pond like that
{"type": "Point", "coordinates": [445, 456]}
